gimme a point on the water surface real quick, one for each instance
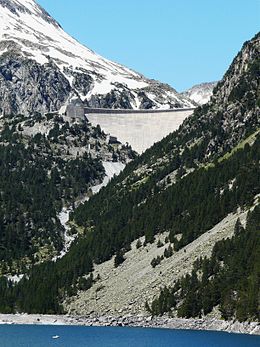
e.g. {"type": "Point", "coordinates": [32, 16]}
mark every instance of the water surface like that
{"type": "Point", "coordinates": [77, 336]}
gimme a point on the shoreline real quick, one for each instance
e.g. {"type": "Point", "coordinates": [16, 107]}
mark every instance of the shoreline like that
{"type": "Point", "coordinates": [209, 324]}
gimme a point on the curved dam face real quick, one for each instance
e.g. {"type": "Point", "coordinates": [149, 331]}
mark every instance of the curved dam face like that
{"type": "Point", "coordinates": [140, 129]}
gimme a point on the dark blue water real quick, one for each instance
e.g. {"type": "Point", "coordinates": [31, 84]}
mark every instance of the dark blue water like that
{"type": "Point", "coordinates": [74, 336]}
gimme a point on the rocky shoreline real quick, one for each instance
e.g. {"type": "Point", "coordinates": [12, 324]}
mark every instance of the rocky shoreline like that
{"type": "Point", "coordinates": [134, 321]}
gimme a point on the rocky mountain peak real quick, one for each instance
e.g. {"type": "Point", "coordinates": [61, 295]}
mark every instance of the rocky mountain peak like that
{"type": "Point", "coordinates": [29, 31]}
{"type": "Point", "coordinates": [244, 65]}
{"type": "Point", "coordinates": [200, 93]}
{"type": "Point", "coordinates": [29, 7]}
{"type": "Point", "coordinates": [233, 110]}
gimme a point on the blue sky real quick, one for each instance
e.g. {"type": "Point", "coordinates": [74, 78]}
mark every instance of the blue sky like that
{"type": "Point", "coordinates": [180, 42]}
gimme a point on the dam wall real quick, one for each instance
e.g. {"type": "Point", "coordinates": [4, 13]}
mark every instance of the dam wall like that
{"type": "Point", "coordinates": [140, 129]}
{"type": "Point", "coordinates": [131, 111]}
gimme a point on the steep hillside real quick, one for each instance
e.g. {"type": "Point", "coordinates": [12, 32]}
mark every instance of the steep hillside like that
{"type": "Point", "coordinates": [189, 209]}
{"type": "Point", "coordinates": [228, 122]}
{"type": "Point", "coordinates": [47, 163]}
{"type": "Point", "coordinates": [41, 67]}
{"type": "Point", "coordinates": [126, 289]}
{"type": "Point", "coordinates": [185, 187]}
{"type": "Point", "coordinates": [200, 93]}
{"type": "Point", "coordinates": [228, 280]}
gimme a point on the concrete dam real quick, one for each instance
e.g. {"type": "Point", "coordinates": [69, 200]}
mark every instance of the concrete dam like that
{"type": "Point", "coordinates": [139, 128]}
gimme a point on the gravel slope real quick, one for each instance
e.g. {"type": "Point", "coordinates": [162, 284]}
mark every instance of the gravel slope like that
{"type": "Point", "coordinates": [124, 290]}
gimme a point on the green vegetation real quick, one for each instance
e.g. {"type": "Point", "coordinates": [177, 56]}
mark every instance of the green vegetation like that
{"type": "Point", "coordinates": [190, 207]}
{"type": "Point", "coordinates": [156, 261]}
{"type": "Point", "coordinates": [35, 182]}
{"type": "Point", "coordinates": [119, 258]}
{"type": "Point", "coordinates": [249, 140]}
{"type": "Point", "coordinates": [168, 252]}
{"type": "Point", "coordinates": [229, 279]}
{"type": "Point", "coordinates": [167, 189]}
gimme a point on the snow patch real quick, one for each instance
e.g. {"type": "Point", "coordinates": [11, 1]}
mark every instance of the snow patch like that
{"type": "Point", "coordinates": [15, 278]}
{"type": "Point", "coordinates": [200, 93]}
{"type": "Point", "coordinates": [40, 37]}
{"type": "Point", "coordinates": [68, 239]}
{"type": "Point", "coordinates": [111, 169]}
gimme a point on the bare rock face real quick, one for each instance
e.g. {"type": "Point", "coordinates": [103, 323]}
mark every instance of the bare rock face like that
{"type": "Point", "coordinates": [50, 66]}
{"type": "Point", "coordinates": [27, 86]}
{"type": "Point", "coordinates": [116, 99]}
{"type": "Point", "coordinates": [200, 93]}
{"type": "Point", "coordinates": [234, 108]}
{"type": "Point", "coordinates": [154, 96]}
{"type": "Point", "coordinates": [82, 82]}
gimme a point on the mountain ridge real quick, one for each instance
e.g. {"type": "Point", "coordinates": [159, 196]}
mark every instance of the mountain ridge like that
{"type": "Point", "coordinates": [200, 93]}
{"type": "Point", "coordinates": [179, 200]}
{"type": "Point", "coordinates": [37, 39]}
{"type": "Point", "coordinates": [188, 185]}
{"type": "Point", "coordinates": [28, 6]}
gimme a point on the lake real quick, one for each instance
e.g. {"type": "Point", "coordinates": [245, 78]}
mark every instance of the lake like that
{"type": "Point", "coordinates": [78, 336]}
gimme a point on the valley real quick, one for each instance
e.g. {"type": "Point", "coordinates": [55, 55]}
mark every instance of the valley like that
{"type": "Point", "coordinates": [123, 201]}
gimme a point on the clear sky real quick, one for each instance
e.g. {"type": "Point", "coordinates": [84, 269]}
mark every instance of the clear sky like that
{"type": "Point", "coordinates": [180, 42]}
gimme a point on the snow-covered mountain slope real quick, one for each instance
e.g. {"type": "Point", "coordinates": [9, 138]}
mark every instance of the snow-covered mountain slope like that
{"type": "Point", "coordinates": [38, 57]}
{"type": "Point", "coordinates": [200, 93]}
